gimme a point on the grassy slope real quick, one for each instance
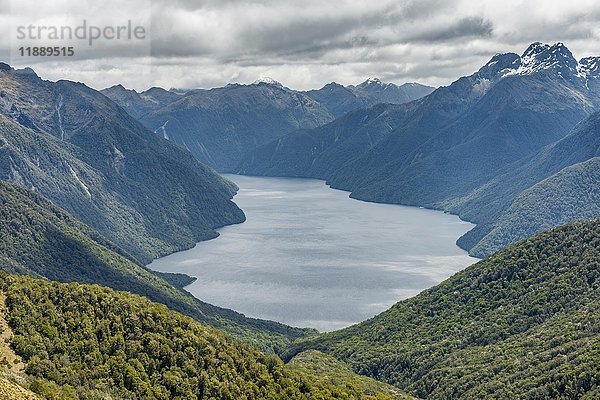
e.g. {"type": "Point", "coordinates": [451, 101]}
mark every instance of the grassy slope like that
{"type": "Point", "coordinates": [90, 342]}
{"type": "Point", "coordinates": [326, 372]}
{"type": "Point", "coordinates": [39, 239]}
{"type": "Point", "coordinates": [522, 323]}
{"type": "Point", "coordinates": [9, 390]}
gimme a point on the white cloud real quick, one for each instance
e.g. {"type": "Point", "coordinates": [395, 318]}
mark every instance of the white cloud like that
{"type": "Point", "coordinates": [302, 43]}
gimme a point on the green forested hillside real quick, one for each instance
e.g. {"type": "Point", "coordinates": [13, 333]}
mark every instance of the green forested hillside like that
{"type": "Point", "coordinates": [90, 342]}
{"type": "Point", "coordinates": [523, 323]}
{"type": "Point", "coordinates": [526, 185]}
{"type": "Point", "coordinates": [87, 155]}
{"type": "Point", "coordinates": [573, 193]}
{"type": "Point", "coordinates": [39, 239]}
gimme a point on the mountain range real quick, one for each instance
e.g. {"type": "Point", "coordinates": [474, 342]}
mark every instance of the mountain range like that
{"type": "Point", "coordinates": [340, 99]}
{"type": "Point", "coordinates": [219, 126]}
{"type": "Point", "coordinates": [448, 149]}
{"type": "Point", "coordinates": [83, 152]}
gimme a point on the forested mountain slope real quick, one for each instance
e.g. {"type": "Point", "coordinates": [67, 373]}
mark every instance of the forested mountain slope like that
{"type": "Point", "coordinates": [329, 145]}
{"type": "Point", "coordinates": [86, 154]}
{"type": "Point", "coordinates": [522, 192]}
{"type": "Point", "coordinates": [570, 194]}
{"type": "Point", "coordinates": [522, 323]}
{"type": "Point", "coordinates": [90, 342]}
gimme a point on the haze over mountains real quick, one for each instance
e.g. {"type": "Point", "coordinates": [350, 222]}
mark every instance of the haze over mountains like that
{"type": "Point", "coordinates": [340, 100]}
{"type": "Point", "coordinates": [219, 126]}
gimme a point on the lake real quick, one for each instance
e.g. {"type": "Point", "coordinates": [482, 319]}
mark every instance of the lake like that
{"type": "Point", "coordinates": [310, 256]}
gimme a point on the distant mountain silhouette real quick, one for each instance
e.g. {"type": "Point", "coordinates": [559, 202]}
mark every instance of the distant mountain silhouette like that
{"type": "Point", "coordinates": [219, 126]}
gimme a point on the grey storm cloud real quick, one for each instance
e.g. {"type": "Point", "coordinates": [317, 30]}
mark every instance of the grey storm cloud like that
{"type": "Point", "coordinates": [463, 28]}
{"type": "Point", "coordinates": [288, 27]}
{"type": "Point", "coordinates": [303, 43]}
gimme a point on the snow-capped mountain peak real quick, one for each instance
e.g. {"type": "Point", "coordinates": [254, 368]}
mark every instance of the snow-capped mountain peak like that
{"type": "Point", "coordinates": [544, 57]}
{"type": "Point", "coordinates": [372, 81]}
{"type": "Point", "coordinates": [555, 61]}
{"type": "Point", "coordinates": [534, 49]}
{"type": "Point", "coordinates": [267, 81]}
{"type": "Point", "coordinates": [499, 65]}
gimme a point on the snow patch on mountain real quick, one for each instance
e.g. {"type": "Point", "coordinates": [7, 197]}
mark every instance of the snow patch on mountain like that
{"type": "Point", "coordinates": [372, 83]}
{"type": "Point", "coordinates": [482, 86]}
{"type": "Point", "coordinates": [58, 107]}
{"type": "Point", "coordinates": [543, 57]}
{"type": "Point", "coordinates": [162, 130]}
{"type": "Point", "coordinates": [590, 67]}
{"type": "Point", "coordinates": [118, 159]}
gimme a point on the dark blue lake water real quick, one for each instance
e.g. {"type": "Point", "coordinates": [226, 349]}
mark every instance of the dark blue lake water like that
{"type": "Point", "coordinates": [310, 256]}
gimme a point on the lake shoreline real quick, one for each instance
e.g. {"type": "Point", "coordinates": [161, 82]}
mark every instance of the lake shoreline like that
{"type": "Point", "coordinates": [306, 245]}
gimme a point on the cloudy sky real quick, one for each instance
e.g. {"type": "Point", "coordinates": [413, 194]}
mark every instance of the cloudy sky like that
{"type": "Point", "coordinates": [301, 43]}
